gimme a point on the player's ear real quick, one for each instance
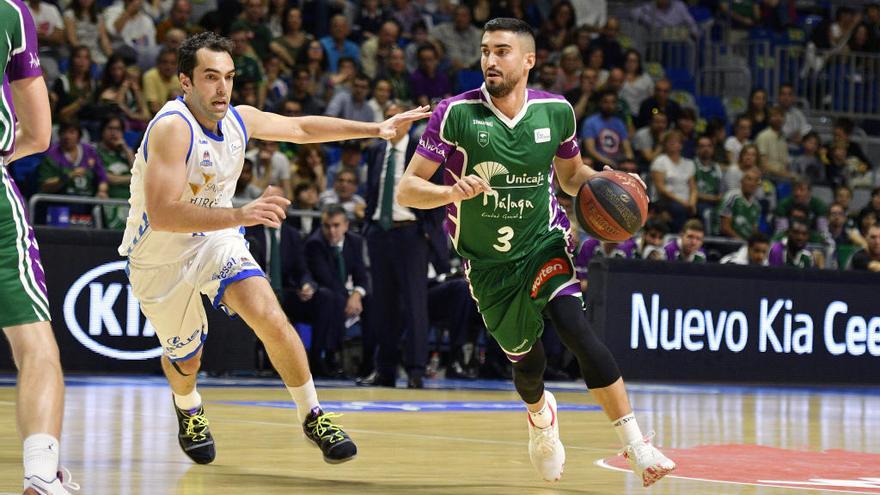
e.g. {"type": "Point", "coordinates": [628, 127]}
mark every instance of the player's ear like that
{"type": "Point", "coordinates": [530, 60]}
{"type": "Point", "coordinates": [185, 82]}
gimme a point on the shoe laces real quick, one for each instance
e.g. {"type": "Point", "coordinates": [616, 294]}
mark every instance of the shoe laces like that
{"type": "Point", "coordinates": [546, 439]}
{"type": "Point", "coordinates": [67, 479]}
{"type": "Point", "coordinates": [324, 428]}
{"type": "Point", "coordinates": [639, 448]}
{"type": "Point", "coordinates": [196, 426]}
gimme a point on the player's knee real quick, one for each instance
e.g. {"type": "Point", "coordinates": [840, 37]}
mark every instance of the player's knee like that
{"type": "Point", "coordinates": [189, 366]}
{"type": "Point", "coordinates": [273, 324]}
{"type": "Point", "coordinates": [33, 344]}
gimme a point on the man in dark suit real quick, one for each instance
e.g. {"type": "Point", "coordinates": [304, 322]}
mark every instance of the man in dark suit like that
{"type": "Point", "coordinates": [337, 262]}
{"type": "Point", "coordinates": [399, 240]}
{"type": "Point", "coordinates": [280, 253]}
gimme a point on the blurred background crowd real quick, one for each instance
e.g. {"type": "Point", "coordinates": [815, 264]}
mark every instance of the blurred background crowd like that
{"type": "Point", "coordinates": [751, 121]}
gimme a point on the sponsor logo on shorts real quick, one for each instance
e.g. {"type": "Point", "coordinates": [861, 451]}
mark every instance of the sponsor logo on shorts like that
{"type": "Point", "coordinates": [554, 267]}
{"type": "Point", "coordinates": [521, 345]}
{"type": "Point", "coordinates": [175, 343]}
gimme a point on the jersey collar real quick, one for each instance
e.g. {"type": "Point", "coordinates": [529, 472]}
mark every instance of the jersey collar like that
{"type": "Point", "coordinates": [511, 123]}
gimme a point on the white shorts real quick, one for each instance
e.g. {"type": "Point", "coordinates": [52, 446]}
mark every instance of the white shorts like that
{"type": "Point", "coordinates": [170, 295]}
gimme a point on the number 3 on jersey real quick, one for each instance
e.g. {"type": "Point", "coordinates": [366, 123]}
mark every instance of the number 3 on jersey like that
{"type": "Point", "coordinates": [505, 234]}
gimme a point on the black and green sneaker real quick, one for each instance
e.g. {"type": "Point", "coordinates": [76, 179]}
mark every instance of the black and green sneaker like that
{"type": "Point", "coordinates": [194, 436]}
{"type": "Point", "coordinates": [334, 443]}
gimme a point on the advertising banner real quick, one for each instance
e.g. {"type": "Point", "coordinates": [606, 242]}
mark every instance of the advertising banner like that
{"type": "Point", "coordinates": [677, 321]}
{"type": "Point", "coordinates": [97, 321]}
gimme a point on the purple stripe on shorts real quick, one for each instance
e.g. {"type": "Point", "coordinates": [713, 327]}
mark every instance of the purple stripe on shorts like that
{"type": "Point", "coordinates": [33, 248]}
{"type": "Point", "coordinates": [569, 290]}
{"type": "Point", "coordinates": [515, 358]}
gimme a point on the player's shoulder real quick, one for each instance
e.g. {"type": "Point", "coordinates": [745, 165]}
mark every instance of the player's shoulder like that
{"type": "Point", "coordinates": [11, 14]}
{"type": "Point", "coordinates": [537, 96]}
{"type": "Point", "coordinates": [446, 105]}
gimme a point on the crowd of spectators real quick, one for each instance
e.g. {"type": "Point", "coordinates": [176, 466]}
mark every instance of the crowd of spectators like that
{"type": "Point", "coordinates": [111, 66]}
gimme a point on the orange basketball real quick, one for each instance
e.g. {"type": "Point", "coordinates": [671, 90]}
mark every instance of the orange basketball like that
{"type": "Point", "coordinates": [612, 206]}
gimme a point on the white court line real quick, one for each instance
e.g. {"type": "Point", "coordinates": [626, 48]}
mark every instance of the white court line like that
{"type": "Point", "coordinates": [603, 464]}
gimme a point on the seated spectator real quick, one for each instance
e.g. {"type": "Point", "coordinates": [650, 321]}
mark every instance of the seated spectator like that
{"type": "Point", "coordinates": [314, 60]}
{"type": "Point", "coordinates": [418, 39]}
{"type": "Point", "coordinates": [754, 253]}
{"type": "Point", "coordinates": [179, 18]}
{"type": "Point", "coordinates": [342, 80]}
{"type": "Point", "coordinates": [666, 14]}
{"type": "Point", "coordinates": [336, 44]}
{"type": "Point", "coordinates": [129, 27]}
{"type": "Point", "coordinates": [344, 194]}
{"type": "Point", "coordinates": [649, 243]}
{"type": "Point", "coordinates": [740, 212]}
{"type": "Point", "coordinates": [50, 36]}
{"type": "Point", "coordinates": [351, 157]}
{"type": "Point", "coordinates": [451, 306]}
{"type": "Point", "coordinates": [593, 248]}
{"type": "Point", "coordinates": [248, 68]}
{"type": "Point", "coordinates": [460, 39]}
{"type": "Point", "coordinates": [305, 197]}
{"type": "Point", "coordinates": [558, 28]}
{"type": "Point", "coordinates": [428, 82]}
{"type": "Point", "coordinates": [310, 166]}
{"type": "Point", "coordinates": [596, 61]}
{"type": "Point", "coordinates": [245, 189]}
{"type": "Point", "coordinates": [73, 168]}
{"type": "Point", "coordinates": [294, 39]}
{"type": "Point", "coordinates": [716, 128]}
{"type": "Point", "coordinates": [647, 141]}
{"type": "Point", "coordinates": [301, 91]}
{"type": "Point", "coordinates": [271, 167]}
{"type": "Point", "coordinates": [377, 49]}
{"type": "Point", "coordinates": [773, 147]}
{"type": "Point", "coordinates": [792, 250]}
{"type": "Point", "coordinates": [335, 257]}
{"type": "Point", "coordinates": [369, 20]}
{"type": "Point", "coordinates": [74, 92]}
{"type": "Point", "coordinates": [548, 74]}
{"type": "Point", "coordinates": [161, 82]}
{"type": "Point", "coordinates": [842, 230]}
{"type": "Point", "coordinates": [756, 111]}
{"type": "Point", "coordinates": [353, 105]}
{"type": "Point", "coordinates": [120, 90]}
{"type": "Point", "coordinates": [842, 169]}
{"type": "Point", "coordinates": [673, 178]}
{"type": "Point", "coordinates": [808, 164]}
{"type": "Point", "coordinates": [570, 67]}
{"type": "Point", "coordinates": [381, 99]}
{"type": "Point", "coordinates": [742, 131]}
{"type": "Point", "coordinates": [868, 259]}
{"type": "Point", "coordinates": [841, 136]}
{"type": "Point", "coordinates": [395, 72]}
{"type": "Point", "coordinates": [275, 85]}
{"type": "Point", "coordinates": [796, 126]}
{"type": "Point", "coordinates": [873, 205]}
{"type": "Point", "coordinates": [843, 196]}
{"type": "Point", "coordinates": [708, 178]}
{"type": "Point", "coordinates": [581, 97]}
{"type": "Point", "coordinates": [605, 136]}
{"type": "Point", "coordinates": [817, 210]}
{"type": "Point", "coordinates": [686, 124]}
{"type": "Point", "coordinates": [638, 86]}
{"type": "Point", "coordinates": [84, 26]}
{"type": "Point", "coordinates": [117, 159]}
{"type": "Point", "coordinates": [743, 14]}
{"type": "Point", "coordinates": [623, 111]}
{"type": "Point", "coordinates": [689, 245]}
{"type": "Point", "coordinates": [253, 21]}
{"type": "Point", "coordinates": [748, 159]}
{"type": "Point", "coordinates": [288, 273]}
{"type": "Point", "coordinates": [660, 102]}
{"type": "Point", "coordinates": [608, 41]}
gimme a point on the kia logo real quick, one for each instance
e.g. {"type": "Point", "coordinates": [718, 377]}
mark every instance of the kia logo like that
{"type": "Point", "coordinates": [101, 317]}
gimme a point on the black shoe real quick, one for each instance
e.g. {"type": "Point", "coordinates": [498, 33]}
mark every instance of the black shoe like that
{"type": "Point", "coordinates": [334, 443]}
{"type": "Point", "coordinates": [415, 381]}
{"type": "Point", "coordinates": [194, 435]}
{"type": "Point", "coordinates": [376, 379]}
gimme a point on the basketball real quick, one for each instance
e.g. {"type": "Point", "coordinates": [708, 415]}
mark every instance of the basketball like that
{"type": "Point", "coordinates": [612, 206]}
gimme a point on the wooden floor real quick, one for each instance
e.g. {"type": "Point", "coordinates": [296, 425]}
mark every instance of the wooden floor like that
{"type": "Point", "coordinates": [120, 439]}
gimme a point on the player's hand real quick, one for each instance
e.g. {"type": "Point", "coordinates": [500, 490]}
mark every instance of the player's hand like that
{"type": "Point", "coordinates": [468, 187]}
{"type": "Point", "coordinates": [270, 209]}
{"type": "Point", "coordinates": [395, 125]}
{"type": "Point", "coordinates": [632, 174]}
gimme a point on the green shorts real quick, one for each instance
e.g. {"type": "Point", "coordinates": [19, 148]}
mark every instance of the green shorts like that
{"type": "Point", "coordinates": [22, 283]}
{"type": "Point", "coordinates": [511, 297]}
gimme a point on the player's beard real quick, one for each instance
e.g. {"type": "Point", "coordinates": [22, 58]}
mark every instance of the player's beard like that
{"type": "Point", "coordinates": [502, 89]}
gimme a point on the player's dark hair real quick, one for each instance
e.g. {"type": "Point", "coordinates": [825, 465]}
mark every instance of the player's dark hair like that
{"type": "Point", "coordinates": [515, 26]}
{"type": "Point", "coordinates": [186, 54]}
{"type": "Point", "coordinates": [758, 238]}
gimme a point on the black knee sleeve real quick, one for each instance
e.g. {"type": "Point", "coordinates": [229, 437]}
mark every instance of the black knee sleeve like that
{"type": "Point", "coordinates": [528, 374]}
{"type": "Point", "coordinates": [595, 360]}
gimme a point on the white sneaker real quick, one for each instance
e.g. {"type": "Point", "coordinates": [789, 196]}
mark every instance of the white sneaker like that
{"type": "Point", "coordinates": [58, 486]}
{"type": "Point", "coordinates": [646, 461]}
{"type": "Point", "coordinates": [545, 450]}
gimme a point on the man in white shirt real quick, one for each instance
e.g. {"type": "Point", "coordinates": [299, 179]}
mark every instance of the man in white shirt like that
{"type": "Point", "coordinates": [50, 37]}
{"type": "Point", "coordinates": [271, 167]}
{"type": "Point", "coordinates": [460, 38]}
{"type": "Point", "coordinates": [796, 125]}
{"type": "Point", "coordinates": [128, 25]}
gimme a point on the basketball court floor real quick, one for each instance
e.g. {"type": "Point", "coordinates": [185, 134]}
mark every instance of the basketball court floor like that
{"type": "Point", "coordinates": [459, 438]}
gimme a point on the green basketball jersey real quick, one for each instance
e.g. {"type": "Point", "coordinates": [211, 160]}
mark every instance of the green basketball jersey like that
{"type": "Point", "coordinates": [19, 59]}
{"type": "Point", "coordinates": [470, 136]}
{"type": "Point", "coordinates": [708, 178]}
{"type": "Point", "coordinates": [744, 214]}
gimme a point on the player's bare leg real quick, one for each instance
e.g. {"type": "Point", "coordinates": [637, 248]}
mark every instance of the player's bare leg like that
{"type": "Point", "coordinates": [253, 299]}
{"type": "Point", "coordinates": [39, 403]}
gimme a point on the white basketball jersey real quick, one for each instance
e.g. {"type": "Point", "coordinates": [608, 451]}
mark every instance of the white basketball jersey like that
{"type": "Point", "coordinates": [213, 164]}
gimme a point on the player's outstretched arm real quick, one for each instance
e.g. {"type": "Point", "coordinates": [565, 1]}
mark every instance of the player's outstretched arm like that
{"type": "Point", "coordinates": [165, 180]}
{"type": "Point", "coordinates": [416, 190]}
{"type": "Point", "coordinates": [31, 100]}
{"type": "Point", "coordinates": [572, 173]}
{"type": "Point", "coordinates": [319, 129]}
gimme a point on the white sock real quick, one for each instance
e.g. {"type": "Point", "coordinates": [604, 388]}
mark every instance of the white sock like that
{"type": "Point", "coordinates": [189, 401]}
{"type": "Point", "coordinates": [41, 456]}
{"type": "Point", "coordinates": [627, 429]}
{"type": "Point", "coordinates": [305, 397]}
{"type": "Point", "coordinates": [544, 417]}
